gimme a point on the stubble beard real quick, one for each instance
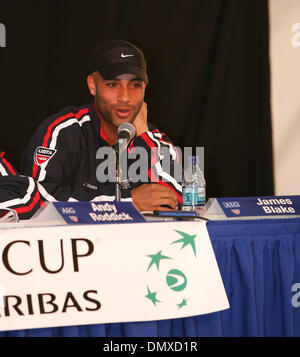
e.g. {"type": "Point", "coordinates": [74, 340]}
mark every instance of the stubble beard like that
{"type": "Point", "coordinates": [107, 114]}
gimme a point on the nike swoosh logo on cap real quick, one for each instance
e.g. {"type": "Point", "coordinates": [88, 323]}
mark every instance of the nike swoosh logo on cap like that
{"type": "Point", "coordinates": [123, 56]}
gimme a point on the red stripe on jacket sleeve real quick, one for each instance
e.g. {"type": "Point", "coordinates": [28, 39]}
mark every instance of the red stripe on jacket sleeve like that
{"type": "Point", "coordinates": [9, 167]}
{"type": "Point", "coordinates": [51, 126]}
{"type": "Point", "coordinates": [28, 208]}
{"type": "Point", "coordinates": [151, 172]}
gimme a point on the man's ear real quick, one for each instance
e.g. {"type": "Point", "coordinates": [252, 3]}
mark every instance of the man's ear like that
{"type": "Point", "coordinates": [91, 82]}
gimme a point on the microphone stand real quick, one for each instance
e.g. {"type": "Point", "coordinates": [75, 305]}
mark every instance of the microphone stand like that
{"type": "Point", "coordinates": [126, 132]}
{"type": "Point", "coordinates": [120, 150]}
{"type": "Point", "coordinates": [118, 174]}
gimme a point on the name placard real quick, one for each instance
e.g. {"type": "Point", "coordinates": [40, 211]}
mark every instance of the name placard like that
{"type": "Point", "coordinates": [255, 206]}
{"type": "Point", "coordinates": [90, 213]}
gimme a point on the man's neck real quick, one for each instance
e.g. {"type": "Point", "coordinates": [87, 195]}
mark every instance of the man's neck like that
{"type": "Point", "coordinates": [111, 133]}
{"type": "Point", "coordinates": [108, 132]}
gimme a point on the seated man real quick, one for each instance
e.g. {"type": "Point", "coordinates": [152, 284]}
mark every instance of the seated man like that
{"type": "Point", "coordinates": [62, 154]}
{"type": "Point", "coordinates": [17, 192]}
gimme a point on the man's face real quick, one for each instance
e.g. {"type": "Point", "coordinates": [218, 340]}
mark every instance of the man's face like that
{"type": "Point", "coordinates": [118, 100]}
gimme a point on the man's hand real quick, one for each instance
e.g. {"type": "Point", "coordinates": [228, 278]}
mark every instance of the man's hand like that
{"type": "Point", "coordinates": [140, 121]}
{"type": "Point", "coordinates": [150, 197]}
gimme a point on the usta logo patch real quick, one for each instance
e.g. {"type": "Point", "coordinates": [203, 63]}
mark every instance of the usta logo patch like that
{"type": "Point", "coordinates": [43, 154]}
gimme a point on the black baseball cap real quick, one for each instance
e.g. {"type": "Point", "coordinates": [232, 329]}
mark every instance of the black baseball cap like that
{"type": "Point", "coordinates": [115, 57]}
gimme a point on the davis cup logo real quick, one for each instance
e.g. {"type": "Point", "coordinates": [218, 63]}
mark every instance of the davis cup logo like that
{"type": "Point", "coordinates": [43, 154]}
{"type": "Point", "coordinates": [168, 282]}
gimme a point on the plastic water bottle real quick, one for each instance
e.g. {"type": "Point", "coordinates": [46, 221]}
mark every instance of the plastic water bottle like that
{"type": "Point", "coordinates": [193, 188]}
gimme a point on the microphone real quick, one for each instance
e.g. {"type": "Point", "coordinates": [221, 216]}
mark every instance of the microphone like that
{"type": "Point", "coordinates": [126, 132]}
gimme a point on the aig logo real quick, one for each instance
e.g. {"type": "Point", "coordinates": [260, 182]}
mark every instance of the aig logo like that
{"type": "Point", "coordinates": [233, 204]}
{"type": "Point", "coordinates": [2, 36]}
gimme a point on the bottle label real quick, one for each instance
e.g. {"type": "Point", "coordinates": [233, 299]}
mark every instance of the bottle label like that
{"type": "Point", "coordinates": [193, 196]}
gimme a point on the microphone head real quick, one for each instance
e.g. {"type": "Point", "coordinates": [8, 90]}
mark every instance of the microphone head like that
{"type": "Point", "coordinates": [128, 128]}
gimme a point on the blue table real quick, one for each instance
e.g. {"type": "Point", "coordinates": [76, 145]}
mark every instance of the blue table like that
{"type": "Point", "coordinates": [259, 262]}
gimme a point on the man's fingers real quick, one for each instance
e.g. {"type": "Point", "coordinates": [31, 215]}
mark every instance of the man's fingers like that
{"type": "Point", "coordinates": [140, 121]}
{"type": "Point", "coordinates": [154, 197]}
{"type": "Point", "coordinates": [159, 208]}
{"type": "Point", "coordinates": [165, 202]}
{"type": "Point", "coordinates": [164, 190]}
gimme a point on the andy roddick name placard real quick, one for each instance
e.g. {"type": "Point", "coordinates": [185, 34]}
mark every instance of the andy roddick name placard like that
{"type": "Point", "coordinates": [104, 212]}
